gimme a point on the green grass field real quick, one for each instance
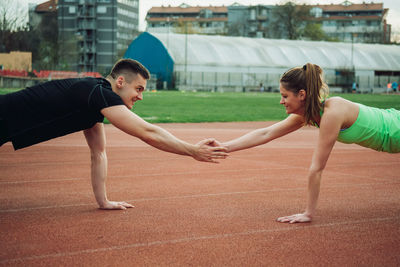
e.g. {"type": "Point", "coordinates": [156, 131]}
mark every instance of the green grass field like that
{"type": "Point", "coordinates": [4, 91]}
{"type": "Point", "coordinates": [176, 106]}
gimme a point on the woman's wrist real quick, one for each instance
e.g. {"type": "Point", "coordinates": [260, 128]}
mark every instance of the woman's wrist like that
{"type": "Point", "coordinates": [308, 214]}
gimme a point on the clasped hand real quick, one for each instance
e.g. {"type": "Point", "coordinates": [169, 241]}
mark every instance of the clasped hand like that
{"type": "Point", "coordinates": [209, 150]}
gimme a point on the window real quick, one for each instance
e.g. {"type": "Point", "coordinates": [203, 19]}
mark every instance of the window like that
{"type": "Point", "coordinates": [252, 14]}
{"type": "Point", "coordinates": [132, 3]}
{"type": "Point", "coordinates": [101, 9]}
{"type": "Point", "coordinates": [316, 12]}
{"type": "Point", "coordinates": [72, 10]}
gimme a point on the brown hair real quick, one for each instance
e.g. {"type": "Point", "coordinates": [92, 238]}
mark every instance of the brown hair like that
{"type": "Point", "coordinates": [309, 78]}
{"type": "Point", "coordinates": [128, 68]}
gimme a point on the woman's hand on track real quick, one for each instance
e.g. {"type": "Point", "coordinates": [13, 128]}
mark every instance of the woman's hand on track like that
{"type": "Point", "coordinates": [115, 205]}
{"type": "Point", "coordinates": [295, 218]}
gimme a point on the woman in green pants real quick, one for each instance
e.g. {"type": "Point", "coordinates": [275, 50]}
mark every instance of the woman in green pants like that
{"type": "Point", "coordinates": [303, 94]}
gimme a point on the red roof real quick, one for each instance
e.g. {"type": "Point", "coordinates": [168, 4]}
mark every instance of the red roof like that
{"type": "Point", "coordinates": [352, 7]}
{"type": "Point", "coordinates": [189, 9]}
{"type": "Point", "coordinates": [49, 6]}
{"type": "Point", "coordinates": [186, 19]}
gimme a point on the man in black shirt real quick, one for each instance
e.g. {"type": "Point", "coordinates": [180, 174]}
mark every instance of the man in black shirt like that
{"type": "Point", "coordinates": [60, 107]}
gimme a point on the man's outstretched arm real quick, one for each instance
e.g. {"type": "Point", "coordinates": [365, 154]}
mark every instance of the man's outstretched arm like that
{"type": "Point", "coordinates": [96, 140]}
{"type": "Point", "coordinates": [127, 121]}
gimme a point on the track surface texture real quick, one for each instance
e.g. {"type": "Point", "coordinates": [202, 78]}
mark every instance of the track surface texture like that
{"type": "Point", "coordinates": [189, 213]}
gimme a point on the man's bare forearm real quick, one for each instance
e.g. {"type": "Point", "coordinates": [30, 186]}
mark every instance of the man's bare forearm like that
{"type": "Point", "coordinates": [99, 176]}
{"type": "Point", "coordinates": [163, 140]}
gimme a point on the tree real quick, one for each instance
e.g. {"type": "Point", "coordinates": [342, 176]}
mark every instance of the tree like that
{"type": "Point", "coordinates": [46, 53]}
{"type": "Point", "coordinates": [313, 31]}
{"type": "Point", "coordinates": [12, 20]}
{"type": "Point", "coordinates": [237, 29]}
{"type": "Point", "coordinates": [184, 27]}
{"type": "Point", "coordinates": [289, 20]}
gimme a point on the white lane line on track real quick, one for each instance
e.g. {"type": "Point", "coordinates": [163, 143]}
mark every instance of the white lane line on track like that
{"type": "Point", "coordinates": [188, 196]}
{"type": "Point", "coordinates": [279, 166]}
{"type": "Point", "coordinates": [153, 174]}
{"type": "Point", "coordinates": [154, 199]}
{"type": "Point", "coordinates": [194, 239]}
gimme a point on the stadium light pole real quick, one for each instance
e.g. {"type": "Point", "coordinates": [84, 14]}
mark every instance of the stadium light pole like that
{"type": "Point", "coordinates": [352, 56]}
{"type": "Point", "coordinates": [166, 65]}
{"type": "Point", "coordinates": [352, 51]}
{"type": "Point", "coordinates": [186, 52]}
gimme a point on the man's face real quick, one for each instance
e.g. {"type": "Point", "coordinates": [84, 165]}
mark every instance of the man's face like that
{"type": "Point", "coordinates": [131, 92]}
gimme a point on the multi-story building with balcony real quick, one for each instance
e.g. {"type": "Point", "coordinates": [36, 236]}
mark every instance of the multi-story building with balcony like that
{"type": "Point", "coordinates": [348, 22]}
{"type": "Point", "coordinates": [250, 21]}
{"type": "Point", "coordinates": [188, 19]}
{"type": "Point", "coordinates": [94, 33]}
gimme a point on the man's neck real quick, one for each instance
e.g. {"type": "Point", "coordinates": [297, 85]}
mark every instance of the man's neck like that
{"type": "Point", "coordinates": [112, 82]}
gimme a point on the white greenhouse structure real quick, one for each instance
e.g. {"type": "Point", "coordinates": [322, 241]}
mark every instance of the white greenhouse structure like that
{"type": "Point", "coordinates": [223, 63]}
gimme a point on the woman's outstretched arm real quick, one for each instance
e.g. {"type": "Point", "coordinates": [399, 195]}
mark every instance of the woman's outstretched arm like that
{"type": "Point", "coordinates": [264, 135]}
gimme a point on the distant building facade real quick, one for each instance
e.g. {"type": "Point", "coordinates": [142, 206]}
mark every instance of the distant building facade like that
{"type": "Point", "coordinates": [250, 21]}
{"type": "Point", "coordinates": [190, 19]}
{"type": "Point", "coordinates": [16, 60]}
{"type": "Point", "coordinates": [347, 22]}
{"type": "Point", "coordinates": [36, 12]}
{"type": "Point", "coordinates": [92, 33]}
{"type": "Point", "coordinates": [99, 29]}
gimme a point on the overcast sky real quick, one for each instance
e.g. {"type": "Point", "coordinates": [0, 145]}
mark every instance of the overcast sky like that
{"type": "Point", "coordinates": [145, 5]}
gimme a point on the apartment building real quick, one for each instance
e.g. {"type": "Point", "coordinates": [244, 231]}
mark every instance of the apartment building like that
{"type": "Point", "coordinates": [348, 22]}
{"type": "Point", "coordinates": [250, 21]}
{"type": "Point", "coordinates": [188, 19]}
{"type": "Point", "coordinates": [94, 33]}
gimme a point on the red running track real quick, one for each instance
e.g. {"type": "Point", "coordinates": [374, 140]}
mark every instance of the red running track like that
{"type": "Point", "coordinates": [198, 214]}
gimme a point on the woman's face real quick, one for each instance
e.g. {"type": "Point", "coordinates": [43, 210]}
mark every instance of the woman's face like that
{"type": "Point", "coordinates": [293, 103]}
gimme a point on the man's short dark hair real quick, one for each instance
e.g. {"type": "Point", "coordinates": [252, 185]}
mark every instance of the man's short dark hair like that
{"type": "Point", "coordinates": [126, 67]}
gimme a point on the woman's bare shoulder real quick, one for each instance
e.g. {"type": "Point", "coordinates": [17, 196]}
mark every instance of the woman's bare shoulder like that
{"type": "Point", "coordinates": [342, 108]}
{"type": "Point", "coordinates": [336, 99]}
{"type": "Point", "coordinates": [338, 102]}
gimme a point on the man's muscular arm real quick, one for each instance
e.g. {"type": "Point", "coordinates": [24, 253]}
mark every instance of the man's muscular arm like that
{"type": "Point", "coordinates": [96, 140]}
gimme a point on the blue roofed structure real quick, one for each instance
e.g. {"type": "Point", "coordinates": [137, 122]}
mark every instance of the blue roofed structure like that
{"type": "Point", "coordinates": [226, 63]}
{"type": "Point", "coordinates": [152, 53]}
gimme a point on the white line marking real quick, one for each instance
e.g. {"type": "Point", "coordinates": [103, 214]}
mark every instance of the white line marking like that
{"type": "Point", "coordinates": [153, 199]}
{"type": "Point", "coordinates": [42, 181]}
{"type": "Point", "coordinates": [192, 196]}
{"type": "Point", "coordinates": [150, 175]}
{"type": "Point", "coordinates": [198, 238]}
{"type": "Point", "coordinates": [279, 166]}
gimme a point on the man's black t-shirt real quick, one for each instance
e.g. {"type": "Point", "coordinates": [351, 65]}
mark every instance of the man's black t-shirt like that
{"type": "Point", "coordinates": [55, 108]}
